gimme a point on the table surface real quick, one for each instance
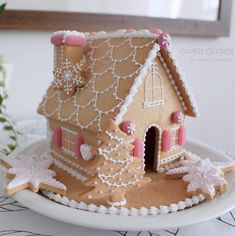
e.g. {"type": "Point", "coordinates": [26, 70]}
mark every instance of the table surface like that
{"type": "Point", "coordinates": [18, 220]}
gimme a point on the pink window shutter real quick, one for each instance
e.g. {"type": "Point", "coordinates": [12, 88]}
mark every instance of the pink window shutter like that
{"type": "Point", "coordinates": [138, 150]}
{"type": "Point", "coordinates": [182, 135]}
{"type": "Point", "coordinates": [166, 140]}
{"type": "Point", "coordinates": [58, 137]}
{"type": "Point", "coordinates": [79, 140]}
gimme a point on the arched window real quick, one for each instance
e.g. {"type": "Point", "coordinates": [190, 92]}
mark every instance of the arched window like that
{"type": "Point", "coordinates": [153, 88]}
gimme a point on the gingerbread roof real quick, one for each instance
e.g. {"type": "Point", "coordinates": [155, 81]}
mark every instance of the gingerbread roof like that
{"type": "Point", "coordinates": [117, 63]}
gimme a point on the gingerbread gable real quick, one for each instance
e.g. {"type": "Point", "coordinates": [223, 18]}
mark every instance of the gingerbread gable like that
{"type": "Point", "coordinates": [116, 64]}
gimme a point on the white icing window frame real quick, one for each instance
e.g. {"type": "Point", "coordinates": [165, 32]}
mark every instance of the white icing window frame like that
{"type": "Point", "coordinates": [174, 145]}
{"type": "Point", "coordinates": [66, 138]}
{"type": "Point", "coordinates": [155, 79]}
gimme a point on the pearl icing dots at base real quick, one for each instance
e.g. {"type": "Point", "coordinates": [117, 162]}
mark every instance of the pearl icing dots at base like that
{"type": "Point", "coordinates": [119, 210]}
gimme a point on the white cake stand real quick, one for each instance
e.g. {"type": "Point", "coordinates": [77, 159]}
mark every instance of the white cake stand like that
{"type": "Point", "coordinates": [202, 212]}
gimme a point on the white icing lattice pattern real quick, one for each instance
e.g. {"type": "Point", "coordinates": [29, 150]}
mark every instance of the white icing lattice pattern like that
{"type": "Point", "coordinates": [107, 81]}
{"type": "Point", "coordinates": [95, 94]}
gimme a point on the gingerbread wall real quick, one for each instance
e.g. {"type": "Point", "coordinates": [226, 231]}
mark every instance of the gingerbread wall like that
{"type": "Point", "coordinates": [159, 115]}
{"type": "Point", "coordinates": [89, 137]}
{"type": "Point", "coordinates": [144, 118]}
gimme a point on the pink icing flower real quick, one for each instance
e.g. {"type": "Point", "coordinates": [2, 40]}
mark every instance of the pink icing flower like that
{"type": "Point", "coordinates": [164, 40]}
{"type": "Point", "coordinates": [128, 127]}
{"type": "Point", "coordinates": [177, 117]}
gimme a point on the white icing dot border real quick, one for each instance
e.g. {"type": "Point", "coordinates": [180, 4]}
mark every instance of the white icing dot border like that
{"type": "Point", "coordinates": [123, 211]}
{"type": "Point", "coordinates": [171, 158]}
{"type": "Point", "coordinates": [169, 166]}
{"type": "Point", "coordinates": [69, 170]}
{"type": "Point", "coordinates": [75, 165]}
{"type": "Point", "coordinates": [156, 126]}
{"type": "Point", "coordinates": [185, 85]}
{"type": "Point", "coordinates": [121, 33]}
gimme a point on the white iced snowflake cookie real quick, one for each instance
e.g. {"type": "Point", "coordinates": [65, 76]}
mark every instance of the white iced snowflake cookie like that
{"type": "Point", "coordinates": [206, 178]}
{"type": "Point", "coordinates": [202, 176]}
{"type": "Point", "coordinates": [190, 160]}
{"type": "Point", "coordinates": [31, 172]}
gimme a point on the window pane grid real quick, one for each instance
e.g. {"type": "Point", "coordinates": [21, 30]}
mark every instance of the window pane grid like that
{"type": "Point", "coordinates": [153, 88]}
{"type": "Point", "coordinates": [68, 141]}
{"type": "Point", "coordinates": [174, 144]}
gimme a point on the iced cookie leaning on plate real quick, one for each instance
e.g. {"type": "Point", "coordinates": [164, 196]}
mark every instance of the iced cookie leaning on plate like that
{"type": "Point", "coordinates": [31, 172]}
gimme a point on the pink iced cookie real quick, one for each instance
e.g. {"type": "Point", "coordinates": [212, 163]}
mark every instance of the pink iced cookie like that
{"type": "Point", "coordinates": [58, 137]}
{"type": "Point", "coordinates": [166, 140]}
{"type": "Point", "coordinates": [155, 31]}
{"type": "Point", "coordinates": [128, 127]}
{"type": "Point", "coordinates": [182, 135]}
{"type": "Point", "coordinates": [68, 37]}
{"type": "Point", "coordinates": [138, 148]}
{"type": "Point", "coordinates": [177, 117]}
{"type": "Point", "coordinates": [76, 40]}
{"type": "Point", "coordinates": [57, 39]}
{"type": "Point", "coordinates": [164, 40]}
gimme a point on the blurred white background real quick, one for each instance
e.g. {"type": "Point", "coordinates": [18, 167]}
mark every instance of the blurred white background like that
{"type": "Point", "coordinates": [184, 9]}
{"type": "Point", "coordinates": [208, 63]}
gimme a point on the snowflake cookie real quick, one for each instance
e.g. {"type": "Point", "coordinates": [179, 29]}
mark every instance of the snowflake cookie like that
{"type": "Point", "coordinates": [31, 172]}
{"type": "Point", "coordinates": [202, 176]}
{"type": "Point", "coordinates": [68, 76]}
{"type": "Point", "coordinates": [192, 159]}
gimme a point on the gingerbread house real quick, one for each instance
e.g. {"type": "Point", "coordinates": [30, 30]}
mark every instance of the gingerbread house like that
{"type": "Point", "coordinates": [128, 76]}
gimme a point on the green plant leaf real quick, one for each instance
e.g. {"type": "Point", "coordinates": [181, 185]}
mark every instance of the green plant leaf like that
{"type": "Point", "coordinates": [1, 99]}
{"type": "Point", "coordinates": [2, 119]}
{"type": "Point", "coordinates": [5, 119]}
{"type": "Point", "coordinates": [13, 138]}
{"type": "Point", "coordinates": [8, 127]}
{"type": "Point", "coordinates": [2, 8]}
{"type": "Point", "coordinates": [11, 146]}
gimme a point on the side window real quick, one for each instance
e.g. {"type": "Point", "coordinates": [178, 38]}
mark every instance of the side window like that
{"type": "Point", "coordinates": [153, 88]}
{"type": "Point", "coordinates": [175, 140]}
{"type": "Point", "coordinates": [68, 141]}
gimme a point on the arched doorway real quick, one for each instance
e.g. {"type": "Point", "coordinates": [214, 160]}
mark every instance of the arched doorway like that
{"type": "Point", "coordinates": [151, 148]}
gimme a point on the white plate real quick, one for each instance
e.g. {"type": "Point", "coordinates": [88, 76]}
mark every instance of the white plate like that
{"type": "Point", "coordinates": [202, 212]}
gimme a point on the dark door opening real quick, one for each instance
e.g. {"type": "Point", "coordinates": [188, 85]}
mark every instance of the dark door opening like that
{"type": "Point", "coordinates": [151, 148]}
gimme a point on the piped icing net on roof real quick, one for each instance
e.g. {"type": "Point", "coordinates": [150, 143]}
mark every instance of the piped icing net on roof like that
{"type": "Point", "coordinates": [116, 63]}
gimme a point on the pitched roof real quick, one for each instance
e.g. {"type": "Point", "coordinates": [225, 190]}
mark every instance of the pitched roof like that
{"type": "Point", "coordinates": [117, 62]}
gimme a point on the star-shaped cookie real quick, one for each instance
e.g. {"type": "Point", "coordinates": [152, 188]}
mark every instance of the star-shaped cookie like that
{"type": "Point", "coordinates": [31, 172]}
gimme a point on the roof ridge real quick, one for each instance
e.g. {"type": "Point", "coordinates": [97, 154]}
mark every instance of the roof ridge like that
{"type": "Point", "coordinates": [120, 33]}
